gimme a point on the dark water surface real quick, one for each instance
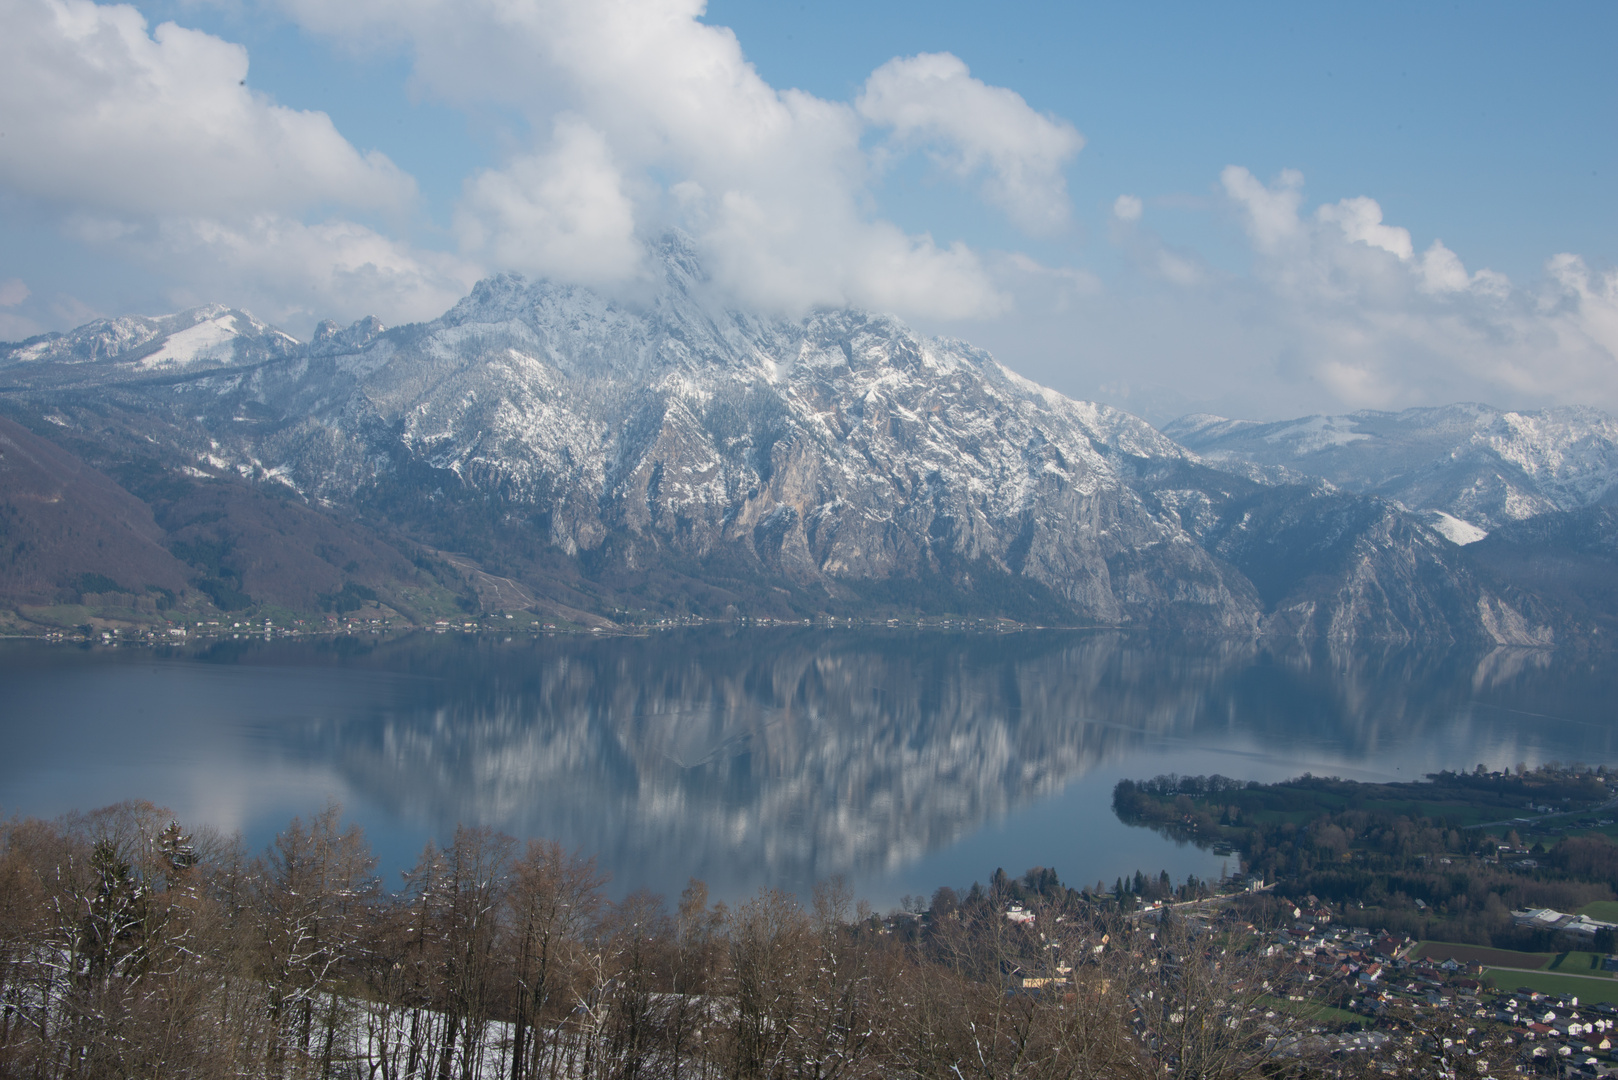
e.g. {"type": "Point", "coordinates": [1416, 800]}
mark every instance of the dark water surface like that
{"type": "Point", "coordinates": [750, 757]}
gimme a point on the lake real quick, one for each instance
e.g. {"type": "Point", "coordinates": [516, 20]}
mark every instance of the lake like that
{"type": "Point", "coordinates": [746, 756]}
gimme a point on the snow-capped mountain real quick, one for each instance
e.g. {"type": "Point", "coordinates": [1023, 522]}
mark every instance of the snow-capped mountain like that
{"type": "Point", "coordinates": [825, 454]}
{"type": "Point", "coordinates": [206, 337]}
{"type": "Point", "coordinates": [1469, 467]}
{"type": "Point", "coordinates": [546, 445]}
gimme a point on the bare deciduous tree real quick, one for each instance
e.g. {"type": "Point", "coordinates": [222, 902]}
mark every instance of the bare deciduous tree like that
{"type": "Point", "coordinates": [314, 895]}
{"type": "Point", "coordinates": [554, 898]}
{"type": "Point", "coordinates": [130, 948]}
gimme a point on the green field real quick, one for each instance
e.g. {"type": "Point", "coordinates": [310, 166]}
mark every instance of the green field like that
{"type": "Point", "coordinates": [1313, 1011]}
{"type": "Point", "coordinates": [1585, 989]}
{"type": "Point", "coordinates": [1566, 963]}
{"type": "Point", "coordinates": [1604, 910]}
{"type": "Point", "coordinates": [1581, 963]}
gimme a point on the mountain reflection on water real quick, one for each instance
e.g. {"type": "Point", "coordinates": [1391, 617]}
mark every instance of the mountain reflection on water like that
{"type": "Point", "coordinates": [780, 756]}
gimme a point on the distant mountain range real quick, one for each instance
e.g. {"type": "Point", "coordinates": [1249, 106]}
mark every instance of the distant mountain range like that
{"type": "Point", "coordinates": [1469, 467]}
{"type": "Point", "coordinates": [541, 449]}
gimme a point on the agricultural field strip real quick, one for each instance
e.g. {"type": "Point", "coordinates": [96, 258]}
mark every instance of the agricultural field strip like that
{"type": "Point", "coordinates": [1502, 959]}
{"type": "Point", "coordinates": [1558, 974]}
{"type": "Point", "coordinates": [1444, 950]}
{"type": "Point", "coordinates": [1608, 805]}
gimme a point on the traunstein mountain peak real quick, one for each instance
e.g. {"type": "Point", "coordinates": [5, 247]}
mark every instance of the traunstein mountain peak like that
{"type": "Point", "coordinates": [827, 454]}
{"type": "Point", "coordinates": [547, 447]}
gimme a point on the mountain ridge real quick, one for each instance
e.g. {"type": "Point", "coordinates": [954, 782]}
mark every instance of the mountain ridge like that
{"type": "Point", "coordinates": [670, 456]}
{"type": "Point", "coordinates": [1480, 465]}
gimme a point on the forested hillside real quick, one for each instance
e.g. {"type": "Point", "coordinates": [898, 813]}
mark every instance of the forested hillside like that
{"type": "Point", "coordinates": [128, 948]}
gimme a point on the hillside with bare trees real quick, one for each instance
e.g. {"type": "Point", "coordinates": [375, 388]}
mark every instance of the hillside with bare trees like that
{"type": "Point", "coordinates": [129, 947]}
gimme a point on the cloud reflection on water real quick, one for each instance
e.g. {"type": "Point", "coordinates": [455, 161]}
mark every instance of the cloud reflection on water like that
{"type": "Point", "coordinates": [749, 757]}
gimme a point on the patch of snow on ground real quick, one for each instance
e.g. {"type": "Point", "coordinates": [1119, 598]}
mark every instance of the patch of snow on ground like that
{"type": "Point", "coordinates": [210, 340]}
{"type": "Point", "coordinates": [1456, 530]}
{"type": "Point", "coordinates": [1315, 433]}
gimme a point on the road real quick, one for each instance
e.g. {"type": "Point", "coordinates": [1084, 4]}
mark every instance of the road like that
{"type": "Point", "coordinates": [1608, 805]}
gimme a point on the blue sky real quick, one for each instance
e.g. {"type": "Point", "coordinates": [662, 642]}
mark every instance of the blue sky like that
{"type": "Point", "coordinates": [1286, 171]}
{"type": "Point", "coordinates": [1491, 125]}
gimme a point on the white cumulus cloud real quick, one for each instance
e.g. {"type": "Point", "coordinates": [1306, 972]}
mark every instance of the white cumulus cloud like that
{"type": "Point", "coordinates": [667, 123]}
{"type": "Point", "coordinates": [1378, 324]}
{"type": "Point", "coordinates": [972, 128]}
{"type": "Point", "coordinates": [147, 145]}
{"type": "Point", "coordinates": [1361, 221]}
{"type": "Point", "coordinates": [290, 272]}
{"type": "Point", "coordinates": [1338, 309]}
{"type": "Point", "coordinates": [1271, 213]}
{"type": "Point", "coordinates": [295, 273]}
{"type": "Point", "coordinates": [561, 213]}
{"type": "Point", "coordinates": [104, 116]}
{"type": "Point", "coordinates": [1588, 303]}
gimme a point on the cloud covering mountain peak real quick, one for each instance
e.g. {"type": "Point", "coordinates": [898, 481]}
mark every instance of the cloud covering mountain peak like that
{"type": "Point", "coordinates": [138, 152]}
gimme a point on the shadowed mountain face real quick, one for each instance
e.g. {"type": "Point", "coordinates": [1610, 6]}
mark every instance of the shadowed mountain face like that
{"type": "Point", "coordinates": [546, 447]}
{"type": "Point", "coordinates": [1564, 562]}
{"type": "Point", "coordinates": [59, 519]}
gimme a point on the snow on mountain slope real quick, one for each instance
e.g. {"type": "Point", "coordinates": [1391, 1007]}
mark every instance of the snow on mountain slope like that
{"type": "Point", "coordinates": [667, 450]}
{"type": "Point", "coordinates": [209, 336]}
{"type": "Point", "coordinates": [211, 340]}
{"type": "Point", "coordinates": [827, 454]}
{"type": "Point", "coordinates": [1457, 531]}
{"type": "Point", "coordinates": [1481, 467]}
{"type": "Point", "coordinates": [1316, 433]}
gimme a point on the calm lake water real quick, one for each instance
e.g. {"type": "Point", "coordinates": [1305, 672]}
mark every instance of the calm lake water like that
{"type": "Point", "coordinates": [751, 757]}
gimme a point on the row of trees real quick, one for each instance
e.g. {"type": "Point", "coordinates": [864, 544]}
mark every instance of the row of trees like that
{"type": "Point", "coordinates": [130, 948]}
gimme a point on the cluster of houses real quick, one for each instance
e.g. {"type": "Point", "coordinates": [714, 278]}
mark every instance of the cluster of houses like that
{"type": "Point", "coordinates": [1326, 951]}
{"type": "Point", "coordinates": [1553, 1030]}
{"type": "Point", "coordinates": [1382, 977]}
{"type": "Point", "coordinates": [1530, 1030]}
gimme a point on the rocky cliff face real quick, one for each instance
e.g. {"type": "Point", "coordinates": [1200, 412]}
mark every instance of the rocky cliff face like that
{"type": "Point", "coordinates": [671, 453]}
{"type": "Point", "coordinates": [838, 457]}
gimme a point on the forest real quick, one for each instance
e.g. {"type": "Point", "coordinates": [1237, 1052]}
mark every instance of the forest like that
{"type": "Point", "coordinates": [130, 946]}
{"type": "Point", "coordinates": [1411, 858]}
